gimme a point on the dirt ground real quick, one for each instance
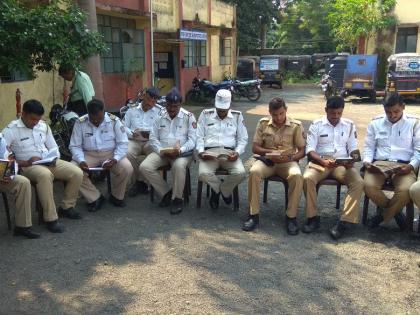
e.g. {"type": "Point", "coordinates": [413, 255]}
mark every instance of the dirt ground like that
{"type": "Point", "coordinates": [142, 260]}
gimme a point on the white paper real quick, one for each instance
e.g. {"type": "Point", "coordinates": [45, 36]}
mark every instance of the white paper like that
{"type": "Point", "coordinates": [96, 169]}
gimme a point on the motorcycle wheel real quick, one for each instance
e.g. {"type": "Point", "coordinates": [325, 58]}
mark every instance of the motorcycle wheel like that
{"type": "Point", "coordinates": [254, 94]}
{"type": "Point", "coordinates": [193, 96]}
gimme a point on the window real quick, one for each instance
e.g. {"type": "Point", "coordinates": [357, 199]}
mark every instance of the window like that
{"type": "Point", "coordinates": [195, 53]}
{"type": "Point", "coordinates": [125, 45]}
{"type": "Point", "coordinates": [12, 76]}
{"type": "Point", "coordinates": [406, 40]}
{"type": "Point", "coordinates": [225, 51]}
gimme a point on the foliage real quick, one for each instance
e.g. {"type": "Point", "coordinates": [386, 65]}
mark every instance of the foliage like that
{"type": "Point", "coordinates": [292, 77]}
{"type": "Point", "coordinates": [352, 19]}
{"type": "Point", "coordinates": [38, 38]}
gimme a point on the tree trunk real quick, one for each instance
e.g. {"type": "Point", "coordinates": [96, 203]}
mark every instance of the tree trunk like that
{"type": "Point", "coordinates": [93, 64]}
{"type": "Point", "coordinates": [263, 35]}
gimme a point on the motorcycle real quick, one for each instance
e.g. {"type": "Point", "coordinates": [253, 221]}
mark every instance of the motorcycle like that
{"type": "Point", "coordinates": [250, 89]}
{"type": "Point", "coordinates": [328, 84]}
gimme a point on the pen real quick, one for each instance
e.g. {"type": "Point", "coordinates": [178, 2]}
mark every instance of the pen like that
{"type": "Point", "coordinates": [342, 133]}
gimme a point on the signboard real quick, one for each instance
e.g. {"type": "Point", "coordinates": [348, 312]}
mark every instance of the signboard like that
{"type": "Point", "coordinates": [192, 35]}
{"type": "Point", "coordinates": [269, 64]}
{"type": "Point", "coordinates": [408, 64]}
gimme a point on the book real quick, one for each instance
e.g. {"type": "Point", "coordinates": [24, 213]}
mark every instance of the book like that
{"type": "Point", "coordinates": [95, 169]}
{"type": "Point", "coordinates": [168, 150]}
{"type": "Point", "coordinates": [8, 168]}
{"type": "Point", "coordinates": [386, 168]}
{"type": "Point", "coordinates": [344, 160]}
{"type": "Point", "coordinates": [49, 159]}
{"type": "Point", "coordinates": [218, 154]}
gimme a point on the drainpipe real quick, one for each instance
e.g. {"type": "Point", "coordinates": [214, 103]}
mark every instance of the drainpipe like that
{"type": "Point", "coordinates": [152, 57]}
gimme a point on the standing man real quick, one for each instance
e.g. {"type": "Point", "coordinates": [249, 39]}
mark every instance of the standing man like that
{"type": "Point", "coordinates": [99, 139]}
{"type": "Point", "coordinates": [31, 140]}
{"type": "Point", "coordinates": [20, 188]}
{"type": "Point", "coordinates": [173, 140]}
{"type": "Point", "coordinates": [139, 121]}
{"type": "Point", "coordinates": [392, 140]}
{"type": "Point", "coordinates": [81, 91]}
{"type": "Point", "coordinates": [330, 138]}
{"type": "Point", "coordinates": [284, 136]}
{"type": "Point", "coordinates": [221, 130]}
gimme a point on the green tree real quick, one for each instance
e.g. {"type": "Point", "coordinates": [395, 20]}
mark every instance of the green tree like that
{"type": "Point", "coordinates": [37, 38]}
{"type": "Point", "coordinates": [352, 19]}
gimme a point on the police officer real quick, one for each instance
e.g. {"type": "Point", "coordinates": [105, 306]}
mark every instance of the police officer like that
{"type": "Point", "coordinates": [31, 140]}
{"type": "Point", "coordinates": [20, 187]}
{"type": "Point", "coordinates": [278, 133]}
{"type": "Point", "coordinates": [139, 122]}
{"type": "Point", "coordinates": [393, 139]}
{"type": "Point", "coordinates": [99, 139]}
{"type": "Point", "coordinates": [221, 130]}
{"type": "Point", "coordinates": [81, 91]}
{"type": "Point", "coordinates": [329, 138]}
{"type": "Point", "coordinates": [173, 140]}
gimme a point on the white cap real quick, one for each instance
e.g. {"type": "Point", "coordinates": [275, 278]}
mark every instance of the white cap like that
{"type": "Point", "coordinates": [223, 98]}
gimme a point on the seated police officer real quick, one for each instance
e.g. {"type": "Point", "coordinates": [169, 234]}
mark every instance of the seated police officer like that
{"type": "Point", "coordinates": [330, 138]}
{"type": "Point", "coordinates": [279, 143]}
{"type": "Point", "coordinates": [20, 188]}
{"type": "Point", "coordinates": [139, 121]}
{"type": "Point", "coordinates": [99, 139]}
{"type": "Point", "coordinates": [31, 140]}
{"type": "Point", "coordinates": [173, 140]}
{"type": "Point", "coordinates": [391, 142]}
{"type": "Point", "coordinates": [221, 138]}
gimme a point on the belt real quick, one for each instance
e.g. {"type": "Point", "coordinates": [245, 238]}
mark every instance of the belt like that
{"type": "Point", "coordinates": [397, 161]}
{"type": "Point", "coordinates": [227, 148]}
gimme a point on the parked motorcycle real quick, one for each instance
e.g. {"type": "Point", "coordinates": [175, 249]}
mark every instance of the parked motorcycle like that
{"type": "Point", "coordinates": [250, 89]}
{"type": "Point", "coordinates": [328, 85]}
{"type": "Point", "coordinates": [203, 89]}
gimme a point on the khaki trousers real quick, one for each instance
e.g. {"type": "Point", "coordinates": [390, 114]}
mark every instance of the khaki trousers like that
{"type": "Point", "coordinates": [137, 152]}
{"type": "Point", "coordinates": [415, 192]}
{"type": "Point", "coordinates": [236, 170]}
{"type": "Point", "coordinates": [349, 177]}
{"type": "Point", "coordinates": [150, 166]}
{"type": "Point", "coordinates": [43, 177]}
{"type": "Point", "coordinates": [120, 175]}
{"type": "Point", "coordinates": [289, 171]}
{"type": "Point", "coordinates": [20, 189]}
{"type": "Point", "coordinates": [402, 184]}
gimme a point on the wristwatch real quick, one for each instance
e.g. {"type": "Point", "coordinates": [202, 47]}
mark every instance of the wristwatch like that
{"type": "Point", "coordinates": [291, 158]}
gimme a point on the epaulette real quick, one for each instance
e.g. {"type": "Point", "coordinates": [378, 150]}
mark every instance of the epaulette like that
{"type": "Point", "coordinates": [409, 116]}
{"type": "Point", "coordinates": [209, 111]}
{"type": "Point", "coordinates": [267, 119]}
{"type": "Point", "coordinates": [317, 121]}
{"type": "Point", "coordinates": [349, 121]}
{"type": "Point", "coordinates": [83, 118]}
{"type": "Point", "coordinates": [378, 117]}
{"type": "Point", "coordinates": [296, 122]}
{"type": "Point", "coordinates": [158, 106]}
{"type": "Point", "coordinates": [186, 112]}
{"type": "Point", "coordinates": [236, 112]}
{"type": "Point", "coordinates": [112, 116]}
{"type": "Point", "coordinates": [12, 123]}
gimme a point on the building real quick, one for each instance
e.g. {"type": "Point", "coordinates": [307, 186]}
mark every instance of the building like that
{"type": "Point", "coordinates": [185, 36]}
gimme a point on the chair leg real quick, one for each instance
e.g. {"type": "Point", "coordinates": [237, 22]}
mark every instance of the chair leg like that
{"type": "Point", "coordinates": [337, 200]}
{"type": "Point", "coordinates": [409, 209]}
{"type": "Point", "coordinates": [7, 209]}
{"type": "Point", "coordinates": [365, 210]}
{"type": "Point", "coordinates": [236, 199]}
{"type": "Point", "coordinates": [208, 191]}
{"type": "Point", "coordinates": [152, 194]}
{"type": "Point", "coordinates": [286, 194]}
{"type": "Point", "coordinates": [265, 193]}
{"type": "Point", "coordinates": [108, 182]}
{"type": "Point", "coordinates": [39, 209]}
{"type": "Point", "coordinates": [189, 181]}
{"type": "Point", "coordinates": [199, 193]}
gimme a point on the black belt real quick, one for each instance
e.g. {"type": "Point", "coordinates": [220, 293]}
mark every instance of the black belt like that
{"type": "Point", "coordinates": [397, 161]}
{"type": "Point", "coordinates": [227, 148]}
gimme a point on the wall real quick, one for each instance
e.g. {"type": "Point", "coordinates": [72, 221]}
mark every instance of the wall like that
{"type": "Point", "coordinates": [167, 12]}
{"type": "Point", "coordinates": [222, 14]}
{"type": "Point", "coordinates": [193, 7]}
{"type": "Point", "coordinates": [138, 5]}
{"type": "Point", "coordinates": [219, 71]}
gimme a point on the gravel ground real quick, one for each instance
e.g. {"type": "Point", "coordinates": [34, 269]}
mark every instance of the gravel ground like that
{"type": "Point", "coordinates": [141, 260]}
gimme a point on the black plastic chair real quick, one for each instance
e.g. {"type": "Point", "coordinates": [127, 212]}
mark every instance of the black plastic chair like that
{"type": "Point", "coordinates": [7, 210]}
{"type": "Point", "coordinates": [187, 187]}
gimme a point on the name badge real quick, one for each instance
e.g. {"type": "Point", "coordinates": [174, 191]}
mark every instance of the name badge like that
{"type": "Point", "coordinates": [210, 124]}
{"type": "Point", "coordinates": [88, 134]}
{"type": "Point", "coordinates": [384, 133]}
{"type": "Point", "coordinates": [323, 136]}
{"type": "Point", "coordinates": [23, 139]}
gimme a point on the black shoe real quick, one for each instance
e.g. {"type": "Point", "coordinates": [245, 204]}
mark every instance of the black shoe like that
{"type": "Point", "coordinates": [55, 227]}
{"type": "Point", "coordinates": [96, 205]}
{"type": "Point", "coordinates": [177, 206]}
{"type": "Point", "coordinates": [337, 230]}
{"type": "Point", "coordinates": [69, 213]}
{"type": "Point", "coordinates": [25, 231]}
{"type": "Point", "coordinates": [375, 221]}
{"type": "Point", "coordinates": [214, 200]}
{"type": "Point", "coordinates": [251, 223]}
{"type": "Point", "coordinates": [166, 200]}
{"type": "Point", "coordinates": [401, 220]}
{"type": "Point", "coordinates": [312, 224]}
{"type": "Point", "coordinates": [227, 200]}
{"type": "Point", "coordinates": [117, 202]}
{"type": "Point", "coordinates": [291, 226]}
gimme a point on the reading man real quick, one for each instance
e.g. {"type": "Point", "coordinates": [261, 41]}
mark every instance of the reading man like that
{"type": "Point", "coordinates": [391, 141]}
{"type": "Point", "coordinates": [221, 139]}
{"type": "Point", "coordinates": [99, 139]}
{"type": "Point", "coordinates": [31, 140]}
{"type": "Point", "coordinates": [329, 139]}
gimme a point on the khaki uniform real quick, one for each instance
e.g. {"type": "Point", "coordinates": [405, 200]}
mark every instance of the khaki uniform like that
{"type": "Point", "coordinates": [337, 142]}
{"type": "Point", "coordinates": [39, 142]}
{"type": "Point", "coordinates": [287, 138]}
{"type": "Point", "coordinates": [217, 135]}
{"type": "Point", "coordinates": [167, 132]}
{"type": "Point", "coordinates": [398, 142]}
{"type": "Point", "coordinates": [415, 192]}
{"type": "Point", "coordinates": [94, 145]}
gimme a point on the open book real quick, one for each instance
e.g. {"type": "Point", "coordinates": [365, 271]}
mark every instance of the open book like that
{"type": "Point", "coordinates": [218, 154]}
{"type": "Point", "coordinates": [386, 168]}
{"type": "Point", "coordinates": [49, 159]}
{"type": "Point", "coordinates": [168, 150]}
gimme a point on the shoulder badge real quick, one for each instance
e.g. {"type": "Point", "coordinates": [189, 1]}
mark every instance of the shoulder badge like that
{"type": "Point", "coordinates": [236, 112]}
{"type": "Point", "coordinates": [296, 122]}
{"type": "Point", "coordinates": [209, 111]}
{"type": "Point", "coordinates": [83, 118]}
{"type": "Point", "coordinates": [378, 117]}
{"type": "Point", "coordinates": [112, 116]}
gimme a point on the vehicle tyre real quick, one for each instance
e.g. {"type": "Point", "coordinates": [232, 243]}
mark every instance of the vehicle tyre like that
{"type": "Point", "coordinates": [254, 94]}
{"type": "Point", "coordinates": [193, 96]}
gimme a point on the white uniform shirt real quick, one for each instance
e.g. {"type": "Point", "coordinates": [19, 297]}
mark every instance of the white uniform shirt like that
{"type": "Point", "coordinates": [229, 132]}
{"type": "Point", "coordinates": [393, 142]}
{"type": "Point", "coordinates": [336, 141]}
{"type": "Point", "coordinates": [110, 135]}
{"type": "Point", "coordinates": [26, 143]}
{"type": "Point", "coordinates": [136, 118]}
{"type": "Point", "coordinates": [4, 152]}
{"type": "Point", "coordinates": [167, 132]}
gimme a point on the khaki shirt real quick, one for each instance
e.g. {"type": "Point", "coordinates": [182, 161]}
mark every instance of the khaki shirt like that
{"type": "Point", "coordinates": [288, 138]}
